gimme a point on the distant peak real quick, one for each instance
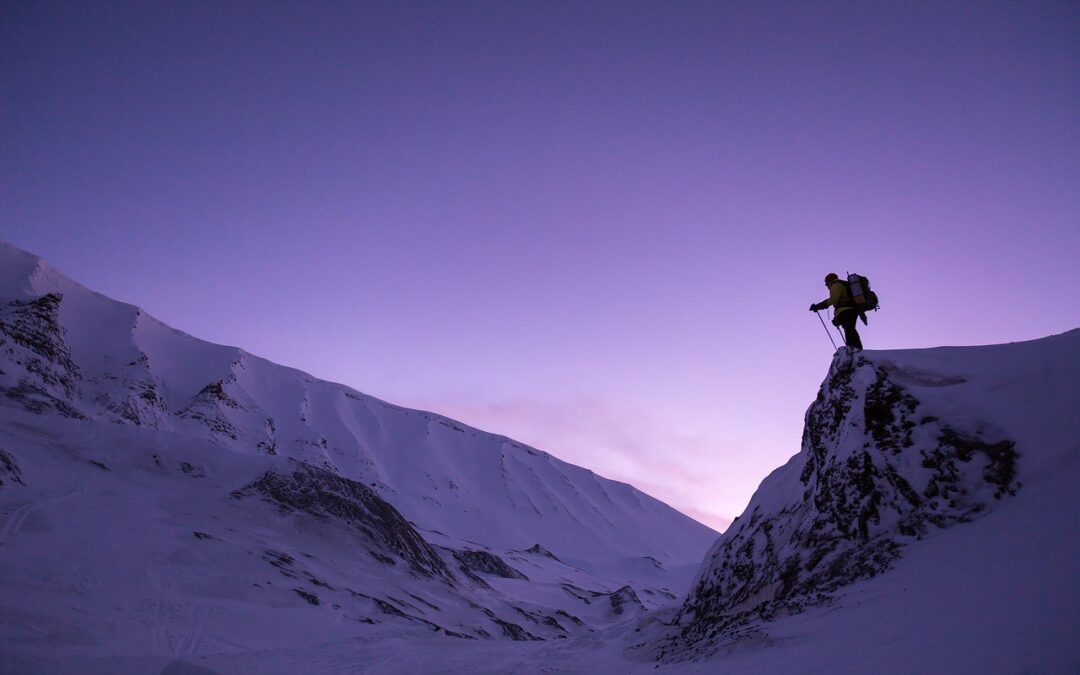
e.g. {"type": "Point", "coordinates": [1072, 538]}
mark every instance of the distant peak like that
{"type": "Point", "coordinates": [24, 275]}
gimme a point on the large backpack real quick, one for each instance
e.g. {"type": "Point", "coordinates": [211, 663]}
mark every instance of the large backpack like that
{"type": "Point", "coordinates": [862, 298]}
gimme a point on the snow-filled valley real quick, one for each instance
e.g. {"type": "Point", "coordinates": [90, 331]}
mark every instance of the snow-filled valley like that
{"type": "Point", "coordinates": [171, 505]}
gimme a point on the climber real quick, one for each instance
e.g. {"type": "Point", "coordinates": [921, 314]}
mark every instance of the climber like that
{"type": "Point", "coordinates": [844, 312]}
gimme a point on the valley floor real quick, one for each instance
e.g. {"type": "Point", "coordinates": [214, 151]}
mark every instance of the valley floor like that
{"type": "Point", "coordinates": [998, 595]}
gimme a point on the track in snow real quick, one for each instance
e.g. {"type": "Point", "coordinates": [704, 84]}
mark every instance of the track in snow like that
{"type": "Point", "coordinates": [189, 646]}
{"type": "Point", "coordinates": [15, 521]}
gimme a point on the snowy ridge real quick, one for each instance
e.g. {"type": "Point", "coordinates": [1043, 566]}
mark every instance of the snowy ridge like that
{"type": "Point", "coordinates": [86, 356]}
{"type": "Point", "coordinates": [165, 497]}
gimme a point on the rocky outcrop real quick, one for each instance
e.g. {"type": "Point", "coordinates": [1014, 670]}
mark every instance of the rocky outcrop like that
{"type": "Point", "coordinates": [877, 470]}
{"type": "Point", "coordinates": [9, 469]}
{"type": "Point", "coordinates": [483, 562]}
{"type": "Point", "coordinates": [131, 395]}
{"type": "Point", "coordinates": [210, 406]}
{"type": "Point", "coordinates": [326, 495]}
{"type": "Point", "coordinates": [38, 373]}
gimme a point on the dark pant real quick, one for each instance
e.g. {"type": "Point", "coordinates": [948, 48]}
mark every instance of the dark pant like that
{"type": "Point", "coordinates": [847, 320]}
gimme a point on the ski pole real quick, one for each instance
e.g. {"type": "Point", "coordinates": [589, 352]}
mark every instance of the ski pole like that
{"type": "Point", "coordinates": [826, 329]}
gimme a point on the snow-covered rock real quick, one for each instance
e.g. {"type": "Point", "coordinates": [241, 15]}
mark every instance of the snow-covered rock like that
{"type": "Point", "coordinates": [897, 447]}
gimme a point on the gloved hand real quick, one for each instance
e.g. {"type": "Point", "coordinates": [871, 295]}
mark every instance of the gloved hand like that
{"type": "Point", "coordinates": [813, 307]}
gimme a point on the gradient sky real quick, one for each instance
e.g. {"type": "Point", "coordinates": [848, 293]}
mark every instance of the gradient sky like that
{"type": "Point", "coordinates": [594, 227]}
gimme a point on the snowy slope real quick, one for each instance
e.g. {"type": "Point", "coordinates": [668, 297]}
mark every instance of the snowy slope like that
{"type": "Point", "coordinates": [162, 497]}
{"type": "Point", "coordinates": [120, 541]}
{"type": "Point", "coordinates": [86, 356]}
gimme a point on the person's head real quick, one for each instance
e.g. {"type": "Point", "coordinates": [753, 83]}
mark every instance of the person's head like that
{"type": "Point", "coordinates": [830, 277]}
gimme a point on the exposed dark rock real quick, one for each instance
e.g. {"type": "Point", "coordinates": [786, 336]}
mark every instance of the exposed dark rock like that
{"type": "Point", "coordinates": [450, 425]}
{"type": "Point", "coordinates": [579, 593]}
{"type": "Point", "coordinates": [209, 407]}
{"type": "Point", "coordinates": [326, 495]}
{"type": "Point", "coordinates": [624, 599]}
{"type": "Point", "coordinates": [514, 631]}
{"type": "Point", "coordinates": [192, 470]}
{"type": "Point", "coordinates": [9, 469]}
{"type": "Point", "coordinates": [311, 598]}
{"type": "Point", "coordinates": [100, 465]}
{"type": "Point", "coordinates": [318, 582]}
{"type": "Point", "coordinates": [540, 550]}
{"type": "Point", "coordinates": [278, 559]}
{"type": "Point", "coordinates": [39, 401]}
{"type": "Point", "coordinates": [424, 602]}
{"type": "Point", "coordinates": [539, 618]}
{"type": "Point", "coordinates": [31, 337]}
{"type": "Point", "coordinates": [575, 620]}
{"type": "Point", "coordinates": [269, 446]}
{"type": "Point", "coordinates": [131, 395]}
{"type": "Point", "coordinates": [384, 559]}
{"type": "Point", "coordinates": [876, 476]}
{"type": "Point", "coordinates": [484, 562]}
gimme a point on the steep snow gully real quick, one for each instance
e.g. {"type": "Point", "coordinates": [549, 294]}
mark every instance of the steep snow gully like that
{"type": "Point", "coordinates": [171, 505]}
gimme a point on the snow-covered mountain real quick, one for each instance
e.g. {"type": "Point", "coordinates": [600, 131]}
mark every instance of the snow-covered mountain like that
{"type": "Point", "coordinates": [170, 505]}
{"type": "Point", "coordinates": [73, 352]}
{"type": "Point", "coordinates": [163, 496]}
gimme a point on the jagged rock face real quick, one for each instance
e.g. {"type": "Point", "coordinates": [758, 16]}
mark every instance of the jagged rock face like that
{"type": "Point", "coordinates": [131, 396]}
{"type": "Point", "coordinates": [208, 407]}
{"type": "Point", "coordinates": [483, 562]}
{"type": "Point", "coordinates": [33, 341]}
{"type": "Point", "coordinates": [324, 494]}
{"type": "Point", "coordinates": [9, 469]}
{"type": "Point", "coordinates": [618, 602]}
{"type": "Point", "coordinates": [876, 471]}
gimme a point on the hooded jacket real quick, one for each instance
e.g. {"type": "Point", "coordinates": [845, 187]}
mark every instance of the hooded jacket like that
{"type": "Point", "coordinates": [838, 299]}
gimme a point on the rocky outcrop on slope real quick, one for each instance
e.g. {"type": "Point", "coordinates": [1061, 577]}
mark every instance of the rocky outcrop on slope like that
{"type": "Point", "coordinates": [484, 562]}
{"type": "Point", "coordinates": [38, 372]}
{"type": "Point", "coordinates": [326, 495]}
{"type": "Point", "coordinates": [9, 469]}
{"type": "Point", "coordinates": [131, 395]}
{"type": "Point", "coordinates": [877, 470]}
{"type": "Point", "coordinates": [209, 406]}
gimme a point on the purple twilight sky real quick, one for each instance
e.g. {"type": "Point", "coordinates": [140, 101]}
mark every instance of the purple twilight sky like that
{"type": "Point", "coordinates": [594, 227]}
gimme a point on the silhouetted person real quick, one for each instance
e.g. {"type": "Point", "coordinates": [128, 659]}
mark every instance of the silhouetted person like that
{"type": "Point", "coordinates": [844, 313]}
